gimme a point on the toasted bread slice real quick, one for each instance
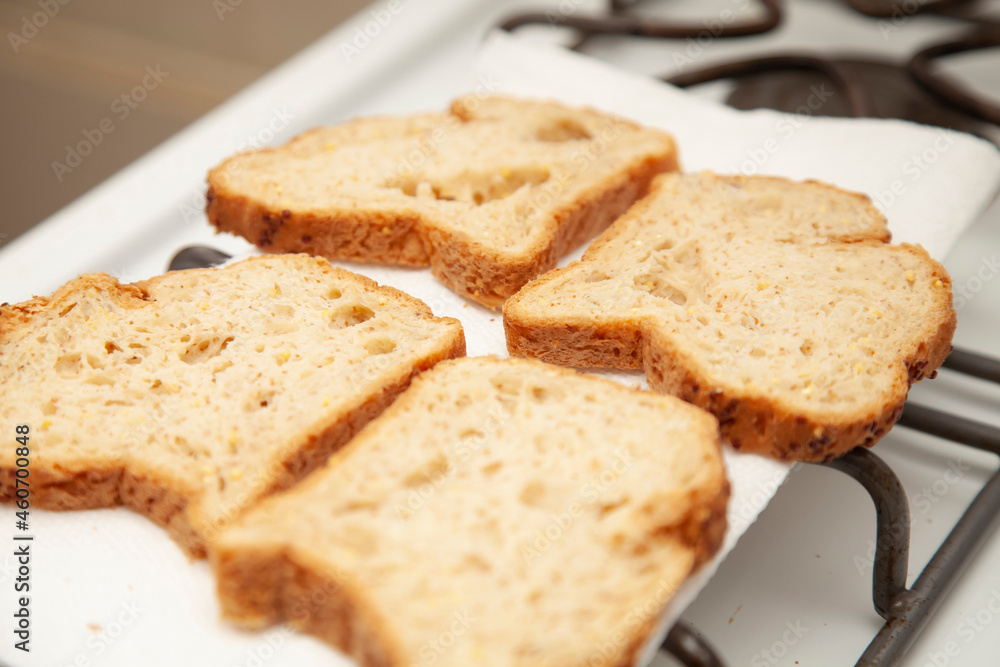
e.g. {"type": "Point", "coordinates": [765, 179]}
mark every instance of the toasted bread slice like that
{"type": "Point", "coordinates": [189, 396]}
{"type": "Point", "coordinates": [489, 195]}
{"type": "Point", "coordinates": [488, 498]}
{"type": "Point", "coordinates": [777, 306]}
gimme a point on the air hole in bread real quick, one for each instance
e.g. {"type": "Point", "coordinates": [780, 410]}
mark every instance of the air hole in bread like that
{"type": "Point", "coordinates": [533, 493]}
{"type": "Point", "coordinates": [99, 379]}
{"type": "Point", "coordinates": [507, 385]}
{"type": "Point", "coordinates": [430, 472]}
{"type": "Point", "coordinates": [204, 349]}
{"type": "Point", "coordinates": [607, 508]}
{"type": "Point", "coordinates": [476, 563]}
{"type": "Point", "coordinates": [110, 347]}
{"type": "Point", "coordinates": [349, 316]}
{"type": "Point", "coordinates": [260, 399]}
{"type": "Point", "coordinates": [563, 129]}
{"type": "Point", "coordinates": [806, 348]}
{"type": "Point", "coordinates": [380, 346]}
{"type": "Point", "coordinates": [333, 293]}
{"type": "Point", "coordinates": [596, 276]}
{"type": "Point", "coordinates": [68, 364]}
{"type": "Point", "coordinates": [473, 187]}
{"type": "Point", "coordinates": [491, 469]}
{"type": "Point", "coordinates": [472, 434]}
{"type": "Point", "coordinates": [656, 287]}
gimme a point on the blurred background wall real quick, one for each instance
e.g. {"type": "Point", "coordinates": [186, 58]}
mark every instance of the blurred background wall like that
{"type": "Point", "coordinates": [65, 66]}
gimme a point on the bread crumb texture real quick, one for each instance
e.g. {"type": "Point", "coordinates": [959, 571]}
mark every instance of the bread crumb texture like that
{"type": "Point", "coordinates": [486, 498]}
{"type": "Point", "coordinates": [778, 306]}
{"type": "Point", "coordinates": [189, 396]}
{"type": "Point", "coordinates": [489, 194]}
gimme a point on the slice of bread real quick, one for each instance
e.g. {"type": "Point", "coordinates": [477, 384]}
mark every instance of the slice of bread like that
{"type": "Point", "coordinates": [189, 396]}
{"type": "Point", "coordinates": [490, 194]}
{"type": "Point", "coordinates": [500, 512]}
{"type": "Point", "coordinates": [778, 306]}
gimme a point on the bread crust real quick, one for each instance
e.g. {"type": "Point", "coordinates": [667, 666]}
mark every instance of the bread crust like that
{"type": "Point", "coordinates": [175, 502]}
{"type": "Point", "coordinates": [749, 420]}
{"type": "Point", "coordinates": [408, 237]}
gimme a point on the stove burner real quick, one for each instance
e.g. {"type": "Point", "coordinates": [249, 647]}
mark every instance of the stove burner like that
{"type": "Point", "coordinates": [619, 22]}
{"type": "Point", "coordinates": [878, 89]}
{"type": "Point", "coordinates": [986, 36]}
{"type": "Point", "coordinates": [887, 9]}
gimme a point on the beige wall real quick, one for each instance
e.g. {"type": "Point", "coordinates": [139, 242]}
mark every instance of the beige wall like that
{"type": "Point", "coordinates": [66, 77]}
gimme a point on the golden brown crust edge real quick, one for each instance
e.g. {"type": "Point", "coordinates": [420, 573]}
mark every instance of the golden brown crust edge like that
{"type": "Point", "coordinates": [262, 586]}
{"type": "Point", "coordinates": [167, 500]}
{"type": "Point", "coordinates": [405, 238]}
{"type": "Point", "coordinates": [752, 424]}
